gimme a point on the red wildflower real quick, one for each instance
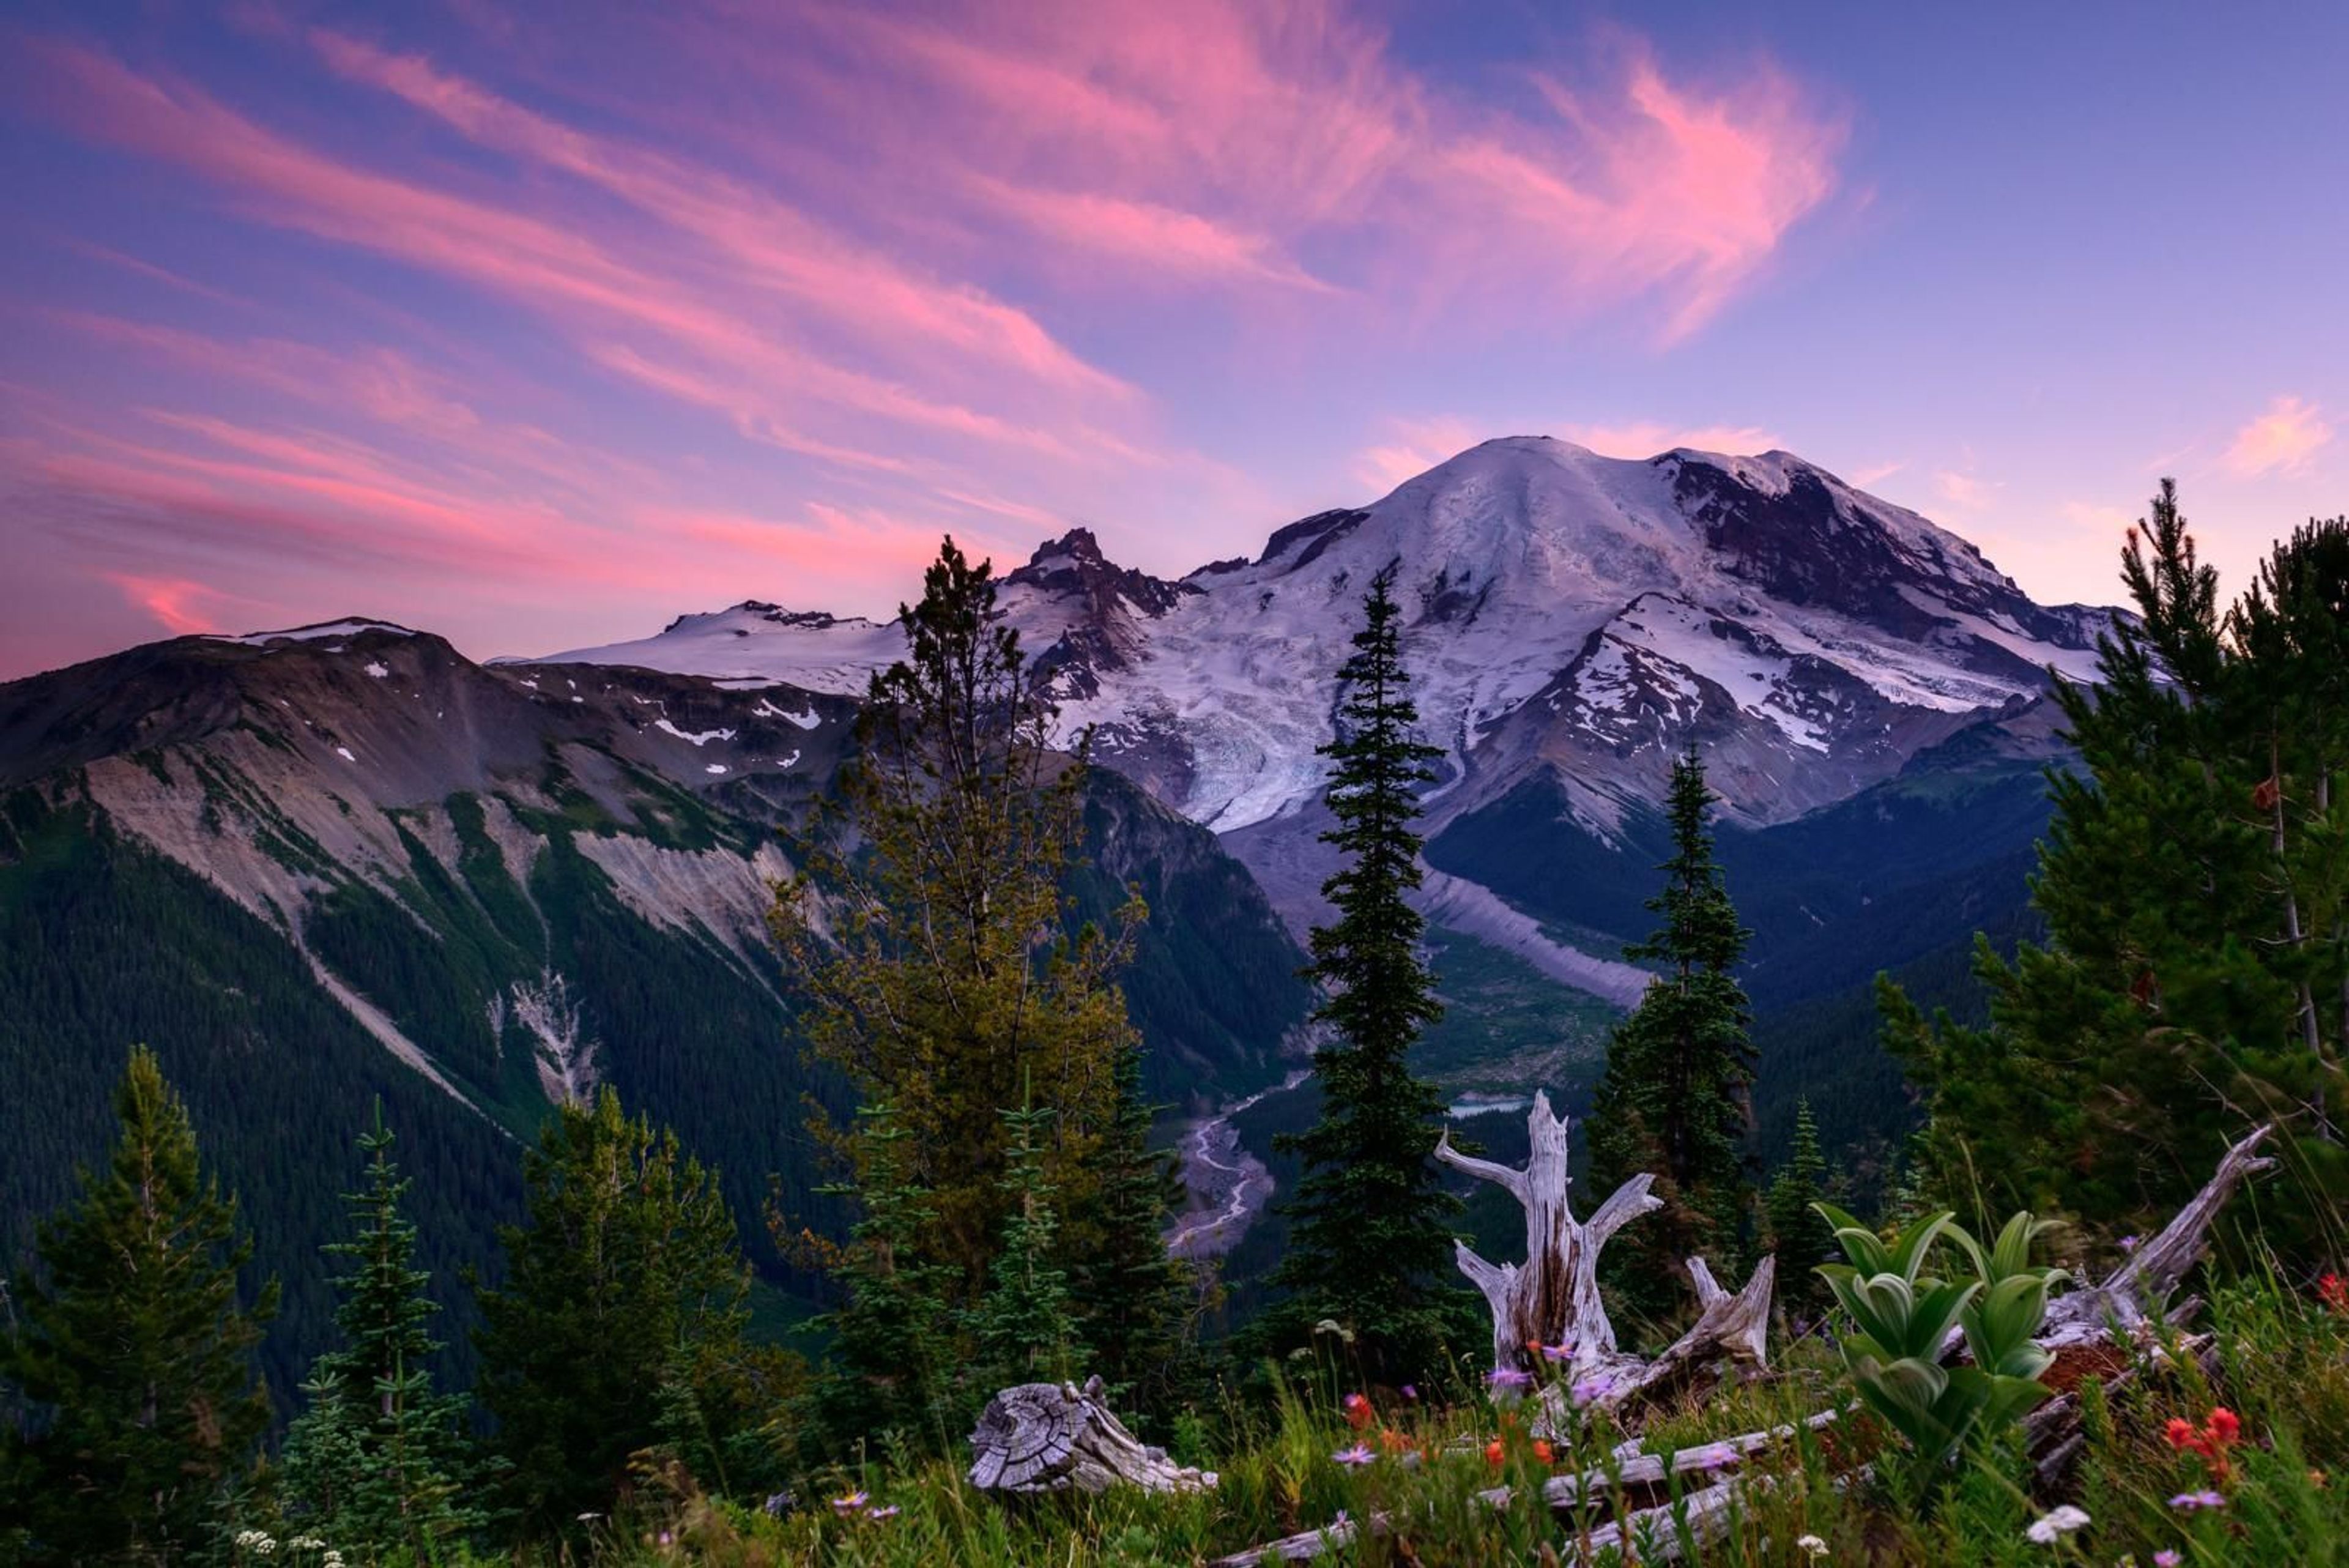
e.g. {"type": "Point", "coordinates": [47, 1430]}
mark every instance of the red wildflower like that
{"type": "Point", "coordinates": [1358, 1411]}
{"type": "Point", "coordinates": [2225, 1429]}
{"type": "Point", "coordinates": [1392, 1441]}
{"type": "Point", "coordinates": [2181, 1433]}
{"type": "Point", "coordinates": [2333, 1291]}
{"type": "Point", "coordinates": [1542, 1452]}
{"type": "Point", "coordinates": [1493, 1452]}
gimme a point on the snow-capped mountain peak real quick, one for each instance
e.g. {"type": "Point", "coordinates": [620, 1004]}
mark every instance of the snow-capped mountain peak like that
{"type": "Point", "coordinates": [1565, 610]}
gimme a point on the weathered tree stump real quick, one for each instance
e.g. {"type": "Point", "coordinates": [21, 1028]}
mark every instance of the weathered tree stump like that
{"type": "Point", "coordinates": [1055, 1437]}
{"type": "Point", "coordinates": [1553, 1298]}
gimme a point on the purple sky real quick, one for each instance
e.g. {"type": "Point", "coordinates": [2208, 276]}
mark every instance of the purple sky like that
{"type": "Point", "coordinates": [537, 327]}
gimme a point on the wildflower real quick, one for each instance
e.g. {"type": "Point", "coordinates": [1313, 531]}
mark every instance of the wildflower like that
{"type": "Point", "coordinates": [1392, 1441]}
{"type": "Point", "coordinates": [2333, 1291]}
{"type": "Point", "coordinates": [2191, 1500]}
{"type": "Point", "coordinates": [667, 1540]}
{"type": "Point", "coordinates": [1508, 1378]}
{"type": "Point", "coordinates": [1562, 1351]}
{"type": "Point", "coordinates": [778, 1504]}
{"type": "Point", "coordinates": [1493, 1452]}
{"type": "Point", "coordinates": [1411, 1392]}
{"type": "Point", "coordinates": [1811, 1546]}
{"type": "Point", "coordinates": [2220, 1431]}
{"type": "Point", "coordinates": [246, 1540]}
{"type": "Point", "coordinates": [1587, 1390]}
{"type": "Point", "coordinates": [1360, 1454]}
{"type": "Point", "coordinates": [851, 1503]}
{"type": "Point", "coordinates": [1543, 1452]}
{"type": "Point", "coordinates": [2055, 1524]}
{"type": "Point", "coordinates": [2225, 1428]}
{"type": "Point", "coordinates": [889, 1512]}
{"type": "Point", "coordinates": [2319, 1479]}
{"type": "Point", "coordinates": [1357, 1409]}
{"type": "Point", "coordinates": [333, 1559]}
{"type": "Point", "coordinates": [2128, 1243]}
{"type": "Point", "coordinates": [305, 1544]}
{"type": "Point", "coordinates": [2165, 1557]}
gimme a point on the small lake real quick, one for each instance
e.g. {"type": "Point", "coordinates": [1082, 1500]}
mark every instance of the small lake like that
{"type": "Point", "coordinates": [1468, 1106]}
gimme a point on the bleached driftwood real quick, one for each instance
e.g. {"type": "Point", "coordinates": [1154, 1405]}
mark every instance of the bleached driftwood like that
{"type": "Point", "coordinates": [1552, 1299]}
{"type": "Point", "coordinates": [1054, 1437]}
{"type": "Point", "coordinates": [2136, 1293]}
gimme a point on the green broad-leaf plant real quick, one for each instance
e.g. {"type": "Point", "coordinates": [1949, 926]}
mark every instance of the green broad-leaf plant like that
{"type": "Point", "coordinates": [1901, 1320]}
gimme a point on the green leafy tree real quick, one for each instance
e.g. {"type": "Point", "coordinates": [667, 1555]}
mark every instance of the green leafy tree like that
{"type": "Point", "coordinates": [1370, 1248]}
{"type": "Point", "coordinates": [379, 1463]}
{"type": "Point", "coordinates": [2195, 883]}
{"type": "Point", "coordinates": [1799, 1233]}
{"type": "Point", "coordinates": [1136, 1303]}
{"type": "Point", "coordinates": [930, 929]}
{"type": "Point", "coordinates": [132, 1353]}
{"type": "Point", "coordinates": [1025, 1327]}
{"type": "Point", "coordinates": [893, 1349]}
{"type": "Point", "coordinates": [625, 1299]}
{"type": "Point", "coordinates": [1674, 1097]}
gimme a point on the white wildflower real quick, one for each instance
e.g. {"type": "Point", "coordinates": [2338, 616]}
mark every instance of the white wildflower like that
{"type": "Point", "coordinates": [2055, 1524]}
{"type": "Point", "coordinates": [1812, 1545]}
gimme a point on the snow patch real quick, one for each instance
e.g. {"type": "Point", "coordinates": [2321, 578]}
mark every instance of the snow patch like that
{"type": "Point", "coordinates": [701, 738]}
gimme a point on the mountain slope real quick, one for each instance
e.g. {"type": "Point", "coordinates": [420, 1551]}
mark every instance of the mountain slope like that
{"type": "Point", "coordinates": [317, 867]}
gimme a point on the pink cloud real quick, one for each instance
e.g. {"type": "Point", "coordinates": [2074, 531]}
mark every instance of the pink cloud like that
{"type": "Point", "coordinates": [2283, 440]}
{"type": "Point", "coordinates": [171, 601]}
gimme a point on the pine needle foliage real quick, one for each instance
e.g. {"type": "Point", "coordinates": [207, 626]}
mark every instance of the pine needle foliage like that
{"type": "Point", "coordinates": [624, 1291]}
{"type": "Point", "coordinates": [1369, 1248]}
{"type": "Point", "coordinates": [2195, 883]}
{"type": "Point", "coordinates": [929, 928]}
{"type": "Point", "coordinates": [132, 1354]}
{"type": "Point", "coordinates": [379, 1463]}
{"type": "Point", "coordinates": [1674, 1099]}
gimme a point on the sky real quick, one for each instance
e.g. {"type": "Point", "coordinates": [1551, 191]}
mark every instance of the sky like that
{"type": "Point", "coordinates": [538, 325]}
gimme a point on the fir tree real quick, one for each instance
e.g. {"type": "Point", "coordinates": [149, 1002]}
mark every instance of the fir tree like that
{"type": "Point", "coordinates": [1673, 1099]}
{"type": "Point", "coordinates": [893, 1346]}
{"type": "Point", "coordinates": [930, 928]}
{"type": "Point", "coordinates": [1799, 1234]}
{"type": "Point", "coordinates": [133, 1352]}
{"type": "Point", "coordinates": [1370, 1249]}
{"type": "Point", "coordinates": [379, 1463]}
{"type": "Point", "coordinates": [624, 1291]}
{"type": "Point", "coordinates": [1025, 1326]}
{"type": "Point", "coordinates": [2196, 890]}
{"type": "Point", "coordinates": [1135, 1302]}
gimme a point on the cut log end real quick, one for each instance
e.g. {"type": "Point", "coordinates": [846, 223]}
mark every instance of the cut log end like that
{"type": "Point", "coordinates": [1055, 1437]}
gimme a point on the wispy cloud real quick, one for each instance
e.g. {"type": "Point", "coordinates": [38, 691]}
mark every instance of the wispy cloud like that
{"type": "Point", "coordinates": [2280, 440]}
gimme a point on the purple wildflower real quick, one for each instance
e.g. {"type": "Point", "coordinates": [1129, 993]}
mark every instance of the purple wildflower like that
{"type": "Point", "coordinates": [1360, 1454]}
{"type": "Point", "coordinates": [1594, 1387]}
{"type": "Point", "coordinates": [889, 1512]}
{"type": "Point", "coordinates": [1410, 1391]}
{"type": "Point", "coordinates": [2128, 1243]}
{"type": "Point", "coordinates": [2191, 1500]}
{"type": "Point", "coordinates": [1508, 1377]}
{"type": "Point", "coordinates": [2165, 1557]}
{"type": "Point", "coordinates": [851, 1503]}
{"type": "Point", "coordinates": [1562, 1351]}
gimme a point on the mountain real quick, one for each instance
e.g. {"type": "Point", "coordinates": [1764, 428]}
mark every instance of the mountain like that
{"type": "Point", "coordinates": [1572, 622]}
{"type": "Point", "coordinates": [320, 866]}
{"type": "Point", "coordinates": [315, 867]}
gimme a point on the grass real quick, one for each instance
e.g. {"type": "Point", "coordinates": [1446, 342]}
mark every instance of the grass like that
{"type": "Point", "coordinates": [2283, 1369]}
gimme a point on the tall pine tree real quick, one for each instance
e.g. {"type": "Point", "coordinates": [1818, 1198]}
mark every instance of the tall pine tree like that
{"type": "Point", "coordinates": [1799, 1234]}
{"type": "Point", "coordinates": [1025, 1326]}
{"type": "Point", "coordinates": [1369, 1248]}
{"type": "Point", "coordinates": [133, 1352]}
{"type": "Point", "coordinates": [1674, 1097]}
{"type": "Point", "coordinates": [626, 1296]}
{"type": "Point", "coordinates": [2194, 882]}
{"type": "Point", "coordinates": [379, 1463]}
{"type": "Point", "coordinates": [930, 929]}
{"type": "Point", "coordinates": [1136, 1302]}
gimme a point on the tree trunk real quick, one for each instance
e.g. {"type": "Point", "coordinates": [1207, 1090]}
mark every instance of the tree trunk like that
{"type": "Point", "coordinates": [1054, 1437]}
{"type": "Point", "coordinates": [1548, 1316]}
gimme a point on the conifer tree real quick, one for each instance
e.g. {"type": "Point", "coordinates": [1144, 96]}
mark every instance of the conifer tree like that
{"type": "Point", "coordinates": [1025, 1326]}
{"type": "Point", "coordinates": [133, 1351]}
{"type": "Point", "coordinates": [1799, 1234]}
{"type": "Point", "coordinates": [2194, 882]}
{"type": "Point", "coordinates": [379, 1463]}
{"type": "Point", "coordinates": [1370, 1249]}
{"type": "Point", "coordinates": [893, 1346]}
{"type": "Point", "coordinates": [1135, 1302]}
{"type": "Point", "coordinates": [930, 928]}
{"type": "Point", "coordinates": [624, 1291]}
{"type": "Point", "coordinates": [1673, 1099]}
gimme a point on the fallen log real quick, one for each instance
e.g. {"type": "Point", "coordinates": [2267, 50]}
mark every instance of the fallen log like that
{"type": "Point", "coordinates": [1547, 1315]}
{"type": "Point", "coordinates": [1055, 1437]}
